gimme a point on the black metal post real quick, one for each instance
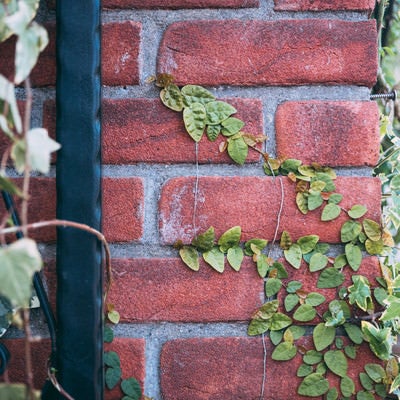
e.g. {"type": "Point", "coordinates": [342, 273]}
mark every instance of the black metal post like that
{"type": "Point", "coordinates": [79, 292]}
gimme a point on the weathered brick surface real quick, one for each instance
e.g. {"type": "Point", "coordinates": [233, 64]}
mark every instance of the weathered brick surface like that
{"type": "Point", "coordinates": [321, 5]}
{"type": "Point", "coordinates": [163, 290]}
{"type": "Point", "coordinates": [254, 203]}
{"type": "Point", "coordinates": [339, 133]}
{"type": "Point", "coordinates": [123, 208]}
{"type": "Point", "coordinates": [283, 52]}
{"type": "Point", "coordinates": [144, 130]}
{"type": "Point", "coordinates": [176, 4]}
{"type": "Point", "coordinates": [133, 364]}
{"type": "Point", "coordinates": [120, 52]}
{"type": "Point", "coordinates": [16, 368]}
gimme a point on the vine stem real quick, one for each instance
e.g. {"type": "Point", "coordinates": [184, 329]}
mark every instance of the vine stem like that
{"type": "Point", "coordinates": [196, 188]}
{"type": "Point", "coordinates": [69, 224]}
{"type": "Point", "coordinates": [28, 354]}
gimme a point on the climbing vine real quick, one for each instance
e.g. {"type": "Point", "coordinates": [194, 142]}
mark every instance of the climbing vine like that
{"type": "Point", "coordinates": [346, 310]}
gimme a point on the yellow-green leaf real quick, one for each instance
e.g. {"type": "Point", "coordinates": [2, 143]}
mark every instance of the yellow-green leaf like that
{"type": "Point", "coordinates": [172, 98]}
{"type": "Point", "coordinates": [194, 119]}
{"type": "Point", "coordinates": [215, 258]}
{"type": "Point", "coordinates": [190, 257]}
{"type": "Point", "coordinates": [238, 150]}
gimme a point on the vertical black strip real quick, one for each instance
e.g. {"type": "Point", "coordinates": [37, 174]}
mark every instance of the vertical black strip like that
{"type": "Point", "coordinates": [79, 293]}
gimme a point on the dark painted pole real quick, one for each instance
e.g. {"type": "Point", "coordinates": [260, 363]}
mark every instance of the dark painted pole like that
{"type": "Point", "coordinates": [79, 272]}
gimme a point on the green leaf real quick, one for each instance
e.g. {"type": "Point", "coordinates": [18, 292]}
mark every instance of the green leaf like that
{"type": "Point", "coordinates": [260, 244]}
{"type": "Point", "coordinates": [205, 241]}
{"type": "Point", "coordinates": [196, 94]}
{"type": "Point", "coordinates": [262, 265]}
{"type": "Point", "coordinates": [347, 386]}
{"type": "Point", "coordinates": [335, 198]}
{"type": "Point", "coordinates": [307, 170]}
{"type": "Point", "coordinates": [297, 331]}
{"type": "Point", "coordinates": [231, 126]}
{"type": "Point", "coordinates": [304, 370]}
{"type": "Point", "coordinates": [284, 351]}
{"type": "Point", "coordinates": [317, 186]}
{"type": "Point", "coordinates": [353, 255]}
{"type": "Point", "coordinates": [374, 247]}
{"type": "Point", "coordinates": [230, 238]}
{"type": "Point", "coordinates": [305, 313]}
{"type": "Point", "coordinates": [172, 98]}
{"type": "Point", "coordinates": [293, 286]}
{"type": "Point", "coordinates": [380, 340]}
{"type": "Point", "coordinates": [279, 321]}
{"type": "Point", "coordinates": [215, 258]}
{"type": "Point", "coordinates": [131, 388]}
{"type": "Point", "coordinates": [194, 119]}
{"type": "Point", "coordinates": [330, 212]}
{"type": "Point", "coordinates": [395, 384]}
{"type": "Point", "coordinates": [353, 332]}
{"type": "Point", "coordinates": [272, 286]}
{"type": "Point", "coordinates": [314, 200]}
{"type": "Point", "coordinates": [312, 357]}
{"type": "Point", "coordinates": [340, 261]}
{"type": "Point", "coordinates": [372, 229]}
{"type": "Point", "coordinates": [40, 147]}
{"type": "Point", "coordinates": [325, 177]}
{"type": "Point", "coordinates": [375, 372]}
{"type": "Point", "coordinates": [30, 43]}
{"type": "Point", "coordinates": [315, 299]}
{"type": "Point", "coordinates": [294, 255]}
{"type": "Point", "coordinates": [357, 211]}
{"type": "Point", "coordinates": [365, 396]}
{"type": "Point", "coordinates": [113, 316]}
{"type": "Point", "coordinates": [235, 257]}
{"type": "Point", "coordinates": [302, 202]}
{"type": "Point", "coordinates": [257, 326]}
{"type": "Point", "coordinates": [19, 261]}
{"type": "Point", "coordinates": [113, 376]}
{"type": "Point", "coordinates": [190, 257]}
{"type": "Point", "coordinates": [336, 361]}
{"type": "Point", "coordinates": [16, 391]}
{"type": "Point", "coordinates": [238, 150]}
{"type": "Point", "coordinates": [111, 359]}
{"type": "Point", "coordinates": [308, 243]}
{"type": "Point", "coordinates": [366, 382]}
{"type": "Point", "coordinates": [212, 132]}
{"type": "Point", "coordinates": [350, 352]}
{"type": "Point", "coordinates": [393, 309]}
{"type": "Point", "coordinates": [8, 186]}
{"type": "Point", "coordinates": [291, 301]}
{"type": "Point", "coordinates": [218, 111]}
{"type": "Point", "coordinates": [318, 261]}
{"type": "Point", "coordinates": [360, 292]}
{"type": "Point", "coordinates": [108, 334]}
{"type": "Point", "coordinates": [313, 385]}
{"type": "Point", "coordinates": [350, 231]}
{"type": "Point", "coordinates": [276, 337]}
{"type": "Point", "coordinates": [332, 394]}
{"type": "Point", "coordinates": [291, 165]}
{"type": "Point", "coordinates": [268, 309]}
{"type": "Point", "coordinates": [323, 336]}
{"type": "Point", "coordinates": [330, 278]}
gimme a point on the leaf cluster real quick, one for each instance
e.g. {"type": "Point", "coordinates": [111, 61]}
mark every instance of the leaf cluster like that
{"type": "Point", "coordinates": [203, 113]}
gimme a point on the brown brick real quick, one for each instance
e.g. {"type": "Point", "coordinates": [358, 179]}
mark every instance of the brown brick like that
{"type": "Point", "coordinates": [254, 203]}
{"type": "Point", "coordinates": [144, 130]}
{"type": "Point", "coordinates": [335, 133]}
{"type": "Point", "coordinates": [283, 52]}
{"type": "Point", "coordinates": [120, 52]}
{"type": "Point", "coordinates": [132, 357]}
{"type": "Point", "coordinates": [225, 368]}
{"type": "Point", "coordinates": [321, 5]}
{"type": "Point", "coordinates": [16, 368]}
{"type": "Point", "coordinates": [164, 291]}
{"type": "Point", "coordinates": [175, 4]}
{"type": "Point", "coordinates": [123, 209]}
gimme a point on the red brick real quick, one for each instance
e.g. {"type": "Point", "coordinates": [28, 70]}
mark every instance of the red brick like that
{"type": "Point", "coordinates": [283, 52]}
{"type": "Point", "coordinates": [144, 130]}
{"type": "Point", "coordinates": [123, 209]}
{"type": "Point", "coordinates": [164, 291]}
{"type": "Point", "coordinates": [16, 368]}
{"type": "Point", "coordinates": [120, 51]}
{"type": "Point", "coordinates": [322, 5]}
{"type": "Point", "coordinates": [253, 203]}
{"type": "Point", "coordinates": [339, 133]}
{"type": "Point", "coordinates": [175, 4]}
{"type": "Point", "coordinates": [132, 357]}
{"type": "Point", "coordinates": [225, 368]}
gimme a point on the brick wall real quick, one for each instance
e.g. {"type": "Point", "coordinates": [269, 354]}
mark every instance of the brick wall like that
{"type": "Point", "coordinates": [299, 71]}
